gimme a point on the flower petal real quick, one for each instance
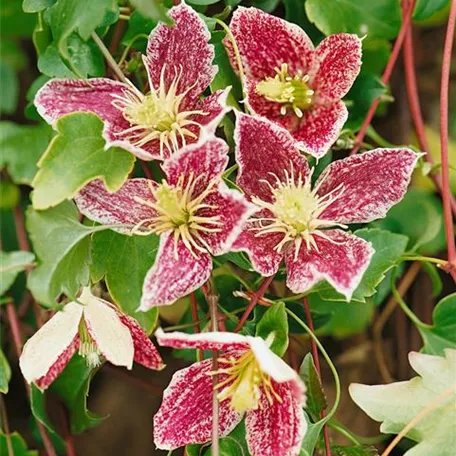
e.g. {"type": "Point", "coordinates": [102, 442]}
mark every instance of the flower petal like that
{"type": "Point", "coordinates": [96, 203]}
{"type": "Point", "coordinates": [145, 351]}
{"type": "Point", "coordinates": [204, 161]}
{"type": "Point", "coordinates": [112, 338]}
{"type": "Point", "coordinates": [171, 277]}
{"type": "Point", "coordinates": [372, 183]}
{"type": "Point", "coordinates": [182, 49]}
{"type": "Point", "coordinates": [205, 341]}
{"type": "Point", "coordinates": [319, 128]}
{"type": "Point", "coordinates": [266, 42]}
{"type": "Point", "coordinates": [276, 429]}
{"type": "Point", "coordinates": [46, 347]}
{"type": "Point", "coordinates": [341, 260]}
{"type": "Point", "coordinates": [185, 415]}
{"type": "Point", "coordinates": [263, 151]}
{"type": "Point", "coordinates": [233, 211]}
{"type": "Point", "coordinates": [335, 65]}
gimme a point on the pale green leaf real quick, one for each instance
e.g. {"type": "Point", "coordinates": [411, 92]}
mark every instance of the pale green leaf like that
{"type": "Point", "coordinates": [11, 264]}
{"type": "Point", "coordinates": [154, 9]}
{"type": "Point", "coordinates": [274, 323]}
{"type": "Point", "coordinates": [316, 398]}
{"type": "Point", "coordinates": [424, 9]}
{"type": "Point", "coordinates": [34, 6]}
{"type": "Point", "coordinates": [5, 373]}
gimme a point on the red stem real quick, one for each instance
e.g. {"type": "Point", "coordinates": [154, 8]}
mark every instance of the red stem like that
{"type": "Point", "coordinates": [386, 75]}
{"type": "Point", "coordinates": [444, 89]}
{"type": "Point", "coordinates": [194, 310]}
{"type": "Point", "coordinates": [253, 302]}
{"type": "Point", "coordinates": [14, 327]}
{"type": "Point", "coordinates": [20, 229]}
{"type": "Point", "coordinates": [316, 361]}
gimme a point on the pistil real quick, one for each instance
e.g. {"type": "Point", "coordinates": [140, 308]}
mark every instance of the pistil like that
{"type": "Point", "coordinates": [87, 347]}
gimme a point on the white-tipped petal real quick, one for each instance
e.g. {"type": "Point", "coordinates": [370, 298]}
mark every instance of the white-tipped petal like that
{"type": "Point", "coordinates": [43, 349]}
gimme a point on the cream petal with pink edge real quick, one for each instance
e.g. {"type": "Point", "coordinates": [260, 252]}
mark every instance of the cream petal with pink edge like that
{"type": "Point", "coordinates": [185, 415]}
{"type": "Point", "coordinates": [319, 128]}
{"type": "Point", "coordinates": [126, 206]}
{"type": "Point", "coordinates": [339, 258]}
{"type": "Point", "coordinates": [336, 63]}
{"type": "Point", "coordinates": [278, 428]}
{"type": "Point", "coordinates": [183, 51]}
{"type": "Point", "coordinates": [111, 337]}
{"type": "Point", "coordinates": [371, 184]}
{"type": "Point", "coordinates": [205, 341]}
{"type": "Point", "coordinates": [176, 272]}
{"type": "Point", "coordinates": [266, 42]}
{"type": "Point", "coordinates": [265, 152]}
{"type": "Point", "coordinates": [44, 348]}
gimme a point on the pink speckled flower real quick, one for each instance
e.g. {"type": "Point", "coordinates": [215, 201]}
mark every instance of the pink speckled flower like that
{"type": "Point", "coordinates": [292, 83]}
{"type": "Point", "coordinates": [193, 212]}
{"type": "Point", "coordinates": [94, 327]}
{"type": "Point", "coordinates": [301, 224]}
{"type": "Point", "coordinates": [155, 125]}
{"type": "Point", "coordinates": [252, 382]}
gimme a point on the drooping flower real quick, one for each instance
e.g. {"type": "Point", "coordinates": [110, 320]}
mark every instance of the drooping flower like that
{"type": "Point", "coordinates": [252, 382]}
{"type": "Point", "coordinates": [93, 327]}
{"type": "Point", "coordinates": [192, 210]}
{"type": "Point", "coordinates": [301, 223]}
{"type": "Point", "coordinates": [155, 125]}
{"type": "Point", "coordinates": [292, 83]}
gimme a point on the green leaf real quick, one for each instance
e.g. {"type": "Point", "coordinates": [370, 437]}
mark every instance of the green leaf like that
{"type": "Point", "coordinates": [10, 195]}
{"type": "Point", "coordinates": [424, 9]}
{"type": "Point", "coordinates": [397, 404]}
{"type": "Point", "coordinates": [72, 386]}
{"type": "Point", "coordinates": [354, 450]}
{"type": "Point", "coordinates": [5, 372]}
{"type": "Point", "coordinates": [75, 157]}
{"type": "Point", "coordinates": [376, 54]}
{"type": "Point", "coordinates": [10, 88]}
{"type": "Point", "coordinates": [389, 247]}
{"type": "Point", "coordinates": [295, 13]}
{"type": "Point", "coordinates": [442, 334]}
{"type": "Point", "coordinates": [14, 22]}
{"type": "Point", "coordinates": [274, 321]}
{"type": "Point", "coordinates": [12, 53]}
{"type": "Point", "coordinates": [62, 246]}
{"type": "Point", "coordinates": [238, 258]}
{"type": "Point", "coordinates": [311, 438]}
{"type": "Point", "coordinates": [233, 444]}
{"type": "Point", "coordinates": [154, 9]}
{"type": "Point", "coordinates": [377, 19]}
{"type": "Point", "coordinates": [17, 443]}
{"type": "Point", "coordinates": [203, 2]}
{"type": "Point", "coordinates": [138, 25]}
{"type": "Point", "coordinates": [316, 398]}
{"type": "Point", "coordinates": [34, 6]}
{"type": "Point", "coordinates": [11, 264]}
{"type": "Point", "coordinates": [21, 147]}
{"type": "Point", "coordinates": [124, 261]}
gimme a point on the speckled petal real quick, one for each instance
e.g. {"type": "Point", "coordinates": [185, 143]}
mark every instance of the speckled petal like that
{"type": "Point", "coordinates": [276, 429]}
{"type": "Point", "coordinates": [341, 261]}
{"type": "Point", "coordinates": [206, 341]}
{"type": "Point", "coordinates": [96, 203]}
{"type": "Point", "coordinates": [264, 151]}
{"type": "Point", "coordinates": [184, 49]}
{"type": "Point", "coordinates": [335, 65]}
{"type": "Point", "coordinates": [171, 277]}
{"type": "Point", "coordinates": [185, 415]}
{"type": "Point", "coordinates": [319, 128]}
{"type": "Point", "coordinates": [53, 344]}
{"type": "Point", "coordinates": [372, 183]}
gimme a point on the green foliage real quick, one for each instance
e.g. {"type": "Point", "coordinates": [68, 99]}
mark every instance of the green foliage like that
{"type": "Point", "coordinates": [5, 372]}
{"type": "Point", "coordinates": [274, 321]}
{"type": "Point", "coordinates": [424, 9]}
{"type": "Point", "coordinates": [123, 262]}
{"type": "Point", "coordinates": [311, 438]}
{"type": "Point", "coordinates": [338, 450]}
{"type": "Point", "coordinates": [18, 445]}
{"type": "Point", "coordinates": [153, 9]}
{"type": "Point", "coordinates": [138, 29]}
{"type": "Point", "coordinates": [11, 264]}
{"type": "Point", "coordinates": [316, 398]}
{"type": "Point", "coordinates": [10, 195]}
{"type": "Point", "coordinates": [76, 156]}
{"type": "Point", "coordinates": [377, 19]}
{"type": "Point", "coordinates": [233, 444]}
{"type": "Point", "coordinates": [14, 22]}
{"type": "Point", "coordinates": [34, 6]}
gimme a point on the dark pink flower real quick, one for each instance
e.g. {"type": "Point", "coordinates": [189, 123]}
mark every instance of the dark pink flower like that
{"type": "Point", "coordinates": [94, 327]}
{"type": "Point", "coordinates": [193, 212]}
{"type": "Point", "coordinates": [292, 83]}
{"type": "Point", "coordinates": [301, 224]}
{"type": "Point", "coordinates": [152, 126]}
{"type": "Point", "coordinates": [252, 382]}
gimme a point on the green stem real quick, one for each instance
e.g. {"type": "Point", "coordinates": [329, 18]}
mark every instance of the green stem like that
{"type": "Point", "coordinates": [382, 142]}
{"type": "Point", "coordinates": [424, 259]}
{"type": "Point", "coordinates": [356, 439]}
{"type": "Point", "coordinates": [328, 360]}
{"type": "Point", "coordinates": [345, 432]}
{"type": "Point", "coordinates": [127, 49]}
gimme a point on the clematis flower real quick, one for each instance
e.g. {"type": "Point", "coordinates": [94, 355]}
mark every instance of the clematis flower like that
{"type": "Point", "coordinates": [192, 210]}
{"type": "Point", "coordinates": [303, 224]}
{"type": "Point", "coordinates": [292, 83]}
{"type": "Point", "coordinates": [252, 382]}
{"type": "Point", "coordinates": [178, 61]}
{"type": "Point", "coordinates": [93, 327]}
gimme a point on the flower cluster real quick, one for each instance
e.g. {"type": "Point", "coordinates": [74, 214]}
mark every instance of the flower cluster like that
{"type": "Point", "coordinates": [279, 211]}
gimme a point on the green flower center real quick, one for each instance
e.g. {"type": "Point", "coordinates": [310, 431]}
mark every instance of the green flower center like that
{"type": "Point", "coordinates": [291, 91]}
{"type": "Point", "coordinates": [87, 347]}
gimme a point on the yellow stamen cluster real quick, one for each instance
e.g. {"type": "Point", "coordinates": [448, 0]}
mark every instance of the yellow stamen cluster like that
{"type": "Point", "coordinates": [178, 210]}
{"type": "Point", "coordinates": [158, 116]}
{"type": "Point", "coordinates": [292, 91]}
{"type": "Point", "coordinates": [245, 383]}
{"type": "Point", "coordinates": [295, 209]}
{"type": "Point", "coordinates": [87, 347]}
